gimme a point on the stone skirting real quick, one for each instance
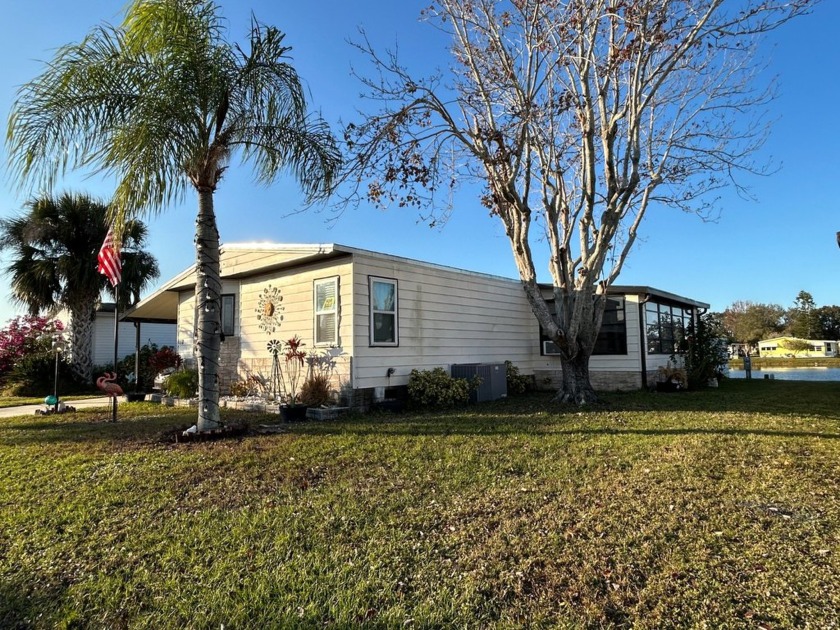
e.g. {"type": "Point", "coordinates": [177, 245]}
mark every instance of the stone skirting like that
{"type": "Point", "coordinates": [228, 362]}
{"type": "Point", "coordinates": [550, 380]}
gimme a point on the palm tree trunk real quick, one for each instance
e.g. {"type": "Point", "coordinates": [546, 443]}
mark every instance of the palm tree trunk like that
{"type": "Point", "coordinates": [208, 289]}
{"type": "Point", "coordinates": [81, 337]}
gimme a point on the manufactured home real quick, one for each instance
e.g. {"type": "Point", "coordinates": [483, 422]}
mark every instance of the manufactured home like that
{"type": "Point", "coordinates": [796, 347]}
{"type": "Point", "coordinates": [381, 316]}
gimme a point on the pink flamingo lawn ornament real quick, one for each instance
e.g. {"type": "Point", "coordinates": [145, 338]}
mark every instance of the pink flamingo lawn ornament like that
{"type": "Point", "coordinates": [106, 384]}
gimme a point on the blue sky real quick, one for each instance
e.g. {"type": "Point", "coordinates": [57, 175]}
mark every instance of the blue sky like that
{"type": "Point", "coordinates": [765, 250]}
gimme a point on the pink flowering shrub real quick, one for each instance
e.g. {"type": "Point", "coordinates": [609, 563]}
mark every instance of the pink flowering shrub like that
{"type": "Point", "coordinates": [23, 336]}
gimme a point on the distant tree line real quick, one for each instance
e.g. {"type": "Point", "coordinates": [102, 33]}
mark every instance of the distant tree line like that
{"type": "Point", "coordinates": [750, 322]}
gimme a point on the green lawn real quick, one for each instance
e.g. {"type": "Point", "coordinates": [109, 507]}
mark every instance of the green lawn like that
{"type": "Point", "coordinates": [716, 509]}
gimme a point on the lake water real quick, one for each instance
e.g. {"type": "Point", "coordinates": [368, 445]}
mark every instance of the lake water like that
{"type": "Point", "coordinates": [792, 374]}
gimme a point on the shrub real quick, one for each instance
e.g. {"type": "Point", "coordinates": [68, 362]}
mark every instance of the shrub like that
{"type": "Point", "coordinates": [435, 388]}
{"type": "Point", "coordinates": [253, 385]}
{"type": "Point", "coordinates": [516, 383]}
{"type": "Point", "coordinates": [316, 391]}
{"type": "Point", "coordinates": [153, 361]}
{"type": "Point", "coordinates": [26, 335]}
{"type": "Point", "coordinates": [163, 359]}
{"type": "Point", "coordinates": [183, 383]}
{"type": "Point", "coordinates": [704, 350]}
{"type": "Point", "coordinates": [126, 377]}
{"type": "Point", "coordinates": [34, 375]}
{"type": "Point", "coordinates": [239, 389]}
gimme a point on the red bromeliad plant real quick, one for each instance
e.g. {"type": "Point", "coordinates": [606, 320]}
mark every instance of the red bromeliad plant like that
{"type": "Point", "coordinates": [294, 371]}
{"type": "Point", "coordinates": [163, 359]}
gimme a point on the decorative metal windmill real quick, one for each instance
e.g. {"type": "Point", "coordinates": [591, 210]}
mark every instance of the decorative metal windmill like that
{"type": "Point", "coordinates": [274, 348]}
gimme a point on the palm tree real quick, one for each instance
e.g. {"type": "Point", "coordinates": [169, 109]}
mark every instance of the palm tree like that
{"type": "Point", "coordinates": [52, 264]}
{"type": "Point", "coordinates": [163, 102]}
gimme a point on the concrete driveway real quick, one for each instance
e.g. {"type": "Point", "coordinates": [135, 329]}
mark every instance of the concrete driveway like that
{"type": "Point", "coordinates": [29, 410]}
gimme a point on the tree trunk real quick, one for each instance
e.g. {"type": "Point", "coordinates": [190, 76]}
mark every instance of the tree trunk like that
{"type": "Point", "coordinates": [81, 337]}
{"type": "Point", "coordinates": [576, 387]}
{"type": "Point", "coordinates": [208, 289]}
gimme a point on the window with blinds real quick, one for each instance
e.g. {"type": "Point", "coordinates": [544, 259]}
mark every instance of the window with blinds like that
{"type": "Point", "coordinates": [326, 312]}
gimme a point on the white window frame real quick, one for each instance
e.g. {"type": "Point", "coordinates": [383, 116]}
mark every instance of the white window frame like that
{"type": "Point", "coordinates": [332, 311]}
{"type": "Point", "coordinates": [395, 312]}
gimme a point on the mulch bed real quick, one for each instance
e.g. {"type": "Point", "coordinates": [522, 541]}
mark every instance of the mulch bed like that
{"type": "Point", "coordinates": [180, 436]}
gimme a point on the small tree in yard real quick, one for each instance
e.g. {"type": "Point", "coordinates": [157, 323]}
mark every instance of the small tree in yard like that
{"type": "Point", "coordinates": [574, 115]}
{"type": "Point", "coordinates": [704, 350]}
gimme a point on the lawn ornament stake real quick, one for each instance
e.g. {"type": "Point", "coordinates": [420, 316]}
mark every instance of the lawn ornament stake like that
{"type": "Point", "coordinates": [53, 403]}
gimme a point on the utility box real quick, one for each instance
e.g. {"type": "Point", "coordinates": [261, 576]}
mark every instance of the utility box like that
{"type": "Point", "coordinates": [493, 379]}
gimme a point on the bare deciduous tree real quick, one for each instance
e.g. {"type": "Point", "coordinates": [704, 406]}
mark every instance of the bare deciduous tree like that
{"type": "Point", "coordinates": [576, 116]}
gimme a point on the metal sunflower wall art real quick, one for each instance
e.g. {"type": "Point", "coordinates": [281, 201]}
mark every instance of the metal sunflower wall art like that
{"type": "Point", "coordinates": [269, 309]}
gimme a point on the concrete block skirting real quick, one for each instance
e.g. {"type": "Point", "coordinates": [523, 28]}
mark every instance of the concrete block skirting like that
{"type": "Point", "coordinates": [606, 381]}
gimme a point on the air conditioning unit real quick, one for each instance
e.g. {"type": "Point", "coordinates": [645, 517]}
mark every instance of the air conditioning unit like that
{"type": "Point", "coordinates": [550, 348]}
{"type": "Point", "coordinates": [493, 379]}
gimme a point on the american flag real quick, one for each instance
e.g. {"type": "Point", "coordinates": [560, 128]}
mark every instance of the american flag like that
{"type": "Point", "coordinates": [109, 259]}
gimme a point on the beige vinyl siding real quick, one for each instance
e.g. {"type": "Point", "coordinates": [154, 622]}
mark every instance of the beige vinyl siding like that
{"type": "Point", "coordinates": [445, 316]}
{"type": "Point", "coordinates": [237, 261]}
{"type": "Point", "coordinates": [186, 325]}
{"type": "Point", "coordinates": [298, 311]}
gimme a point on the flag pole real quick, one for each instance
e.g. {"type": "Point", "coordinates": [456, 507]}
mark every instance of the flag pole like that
{"type": "Point", "coordinates": [116, 342]}
{"type": "Point", "coordinates": [110, 265]}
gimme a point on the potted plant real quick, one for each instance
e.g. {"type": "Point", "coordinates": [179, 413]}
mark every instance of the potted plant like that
{"type": "Point", "coordinates": [317, 392]}
{"type": "Point", "coordinates": [671, 378]}
{"type": "Point", "coordinates": [292, 376]}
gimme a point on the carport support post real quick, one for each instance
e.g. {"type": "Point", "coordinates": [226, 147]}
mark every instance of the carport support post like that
{"type": "Point", "coordinates": [137, 357]}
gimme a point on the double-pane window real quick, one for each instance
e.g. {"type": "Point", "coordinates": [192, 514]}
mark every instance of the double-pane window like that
{"type": "Point", "coordinates": [326, 312]}
{"type": "Point", "coordinates": [383, 312]}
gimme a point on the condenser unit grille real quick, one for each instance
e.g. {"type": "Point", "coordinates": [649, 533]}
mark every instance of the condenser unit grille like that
{"type": "Point", "coordinates": [493, 379]}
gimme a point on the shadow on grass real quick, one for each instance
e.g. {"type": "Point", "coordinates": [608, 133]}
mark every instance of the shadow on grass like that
{"type": "Point", "coordinates": [143, 424]}
{"type": "Point", "coordinates": [804, 398]}
{"type": "Point", "coordinates": [24, 603]}
{"type": "Point", "coordinates": [536, 414]}
{"type": "Point", "coordinates": [416, 429]}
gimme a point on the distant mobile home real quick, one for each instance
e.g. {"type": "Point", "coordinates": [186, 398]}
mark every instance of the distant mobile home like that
{"type": "Point", "coordinates": [160, 332]}
{"type": "Point", "coordinates": [796, 347]}
{"type": "Point", "coordinates": [383, 316]}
